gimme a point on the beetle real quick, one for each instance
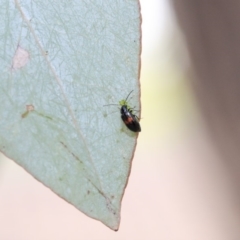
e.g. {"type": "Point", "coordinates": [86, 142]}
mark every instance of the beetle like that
{"type": "Point", "coordinates": [129, 118]}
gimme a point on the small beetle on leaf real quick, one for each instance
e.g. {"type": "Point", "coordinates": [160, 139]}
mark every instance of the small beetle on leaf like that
{"type": "Point", "coordinates": [129, 119]}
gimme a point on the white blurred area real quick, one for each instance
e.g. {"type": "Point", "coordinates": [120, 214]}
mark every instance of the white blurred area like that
{"type": "Point", "coordinates": [178, 189]}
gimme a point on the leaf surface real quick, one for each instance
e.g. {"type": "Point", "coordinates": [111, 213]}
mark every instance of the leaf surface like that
{"type": "Point", "coordinates": [61, 62]}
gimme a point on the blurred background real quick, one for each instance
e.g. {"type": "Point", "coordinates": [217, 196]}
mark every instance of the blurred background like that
{"type": "Point", "coordinates": [184, 182]}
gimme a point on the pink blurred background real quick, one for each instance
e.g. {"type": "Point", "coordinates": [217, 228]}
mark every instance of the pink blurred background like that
{"type": "Point", "coordinates": [178, 188]}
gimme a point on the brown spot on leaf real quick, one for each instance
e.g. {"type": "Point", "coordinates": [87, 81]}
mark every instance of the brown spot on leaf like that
{"type": "Point", "coordinates": [29, 108]}
{"type": "Point", "coordinates": [20, 58]}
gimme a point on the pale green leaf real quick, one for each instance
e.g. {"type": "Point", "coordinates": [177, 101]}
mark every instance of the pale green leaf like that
{"type": "Point", "coordinates": [61, 61]}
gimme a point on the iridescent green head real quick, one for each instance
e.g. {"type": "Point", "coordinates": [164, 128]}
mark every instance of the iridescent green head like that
{"type": "Point", "coordinates": [123, 102]}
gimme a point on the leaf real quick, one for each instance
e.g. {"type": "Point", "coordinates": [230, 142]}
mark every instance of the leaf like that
{"type": "Point", "coordinates": [61, 61]}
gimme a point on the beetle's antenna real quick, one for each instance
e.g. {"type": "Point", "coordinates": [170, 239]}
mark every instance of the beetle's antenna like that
{"type": "Point", "coordinates": [110, 104]}
{"type": "Point", "coordinates": [124, 100]}
{"type": "Point", "coordinates": [128, 95]}
{"type": "Point", "coordinates": [112, 112]}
